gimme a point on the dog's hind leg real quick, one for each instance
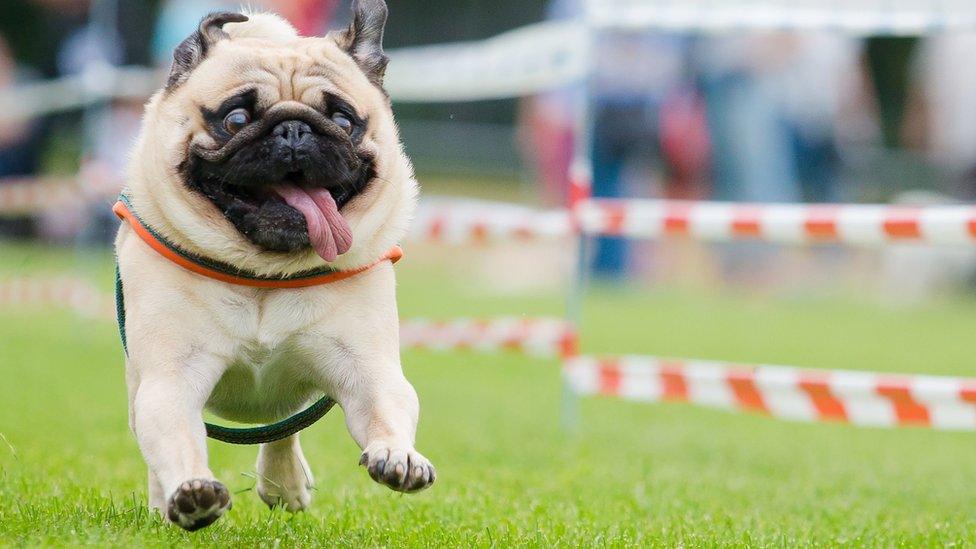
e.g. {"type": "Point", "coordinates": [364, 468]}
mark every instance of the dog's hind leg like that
{"type": "Point", "coordinates": [168, 422]}
{"type": "Point", "coordinates": [283, 475]}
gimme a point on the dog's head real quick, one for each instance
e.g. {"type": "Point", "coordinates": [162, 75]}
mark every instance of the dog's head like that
{"type": "Point", "coordinates": [279, 145]}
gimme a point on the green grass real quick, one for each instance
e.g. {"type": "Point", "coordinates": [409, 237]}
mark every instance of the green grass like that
{"type": "Point", "coordinates": [633, 474]}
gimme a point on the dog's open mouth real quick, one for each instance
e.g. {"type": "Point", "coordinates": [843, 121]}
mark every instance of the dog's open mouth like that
{"type": "Point", "coordinates": [284, 187]}
{"type": "Point", "coordinates": [272, 215]}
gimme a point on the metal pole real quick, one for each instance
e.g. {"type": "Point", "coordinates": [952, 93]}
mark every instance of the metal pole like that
{"type": "Point", "coordinates": [574, 316]}
{"type": "Point", "coordinates": [580, 185]}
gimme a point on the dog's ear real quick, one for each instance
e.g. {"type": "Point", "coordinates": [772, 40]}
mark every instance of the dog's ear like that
{"type": "Point", "coordinates": [363, 40]}
{"type": "Point", "coordinates": [192, 51]}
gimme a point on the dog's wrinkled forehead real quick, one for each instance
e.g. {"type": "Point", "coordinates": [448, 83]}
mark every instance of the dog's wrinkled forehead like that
{"type": "Point", "coordinates": [304, 72]}
{"type": "Point", "coordinates": [232, 49]}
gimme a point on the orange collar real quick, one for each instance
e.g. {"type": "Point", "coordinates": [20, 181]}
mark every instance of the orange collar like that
{"type": "Point", "coordinates": [227, 273]}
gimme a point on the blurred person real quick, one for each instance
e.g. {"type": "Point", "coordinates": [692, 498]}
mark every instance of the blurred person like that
{"type": "Point", "coordinates": [16, 154]}
{"type": "Point", "coordinates": [888, 61]}
{"type": "Point", "coordinates": [113, 131]}
{"type": "Point", "coordinates": [58, 19]}
{"type": "Point", "coordinates": [637, 75]}
{"type": "Point", "coordinates": [941, 123]}
{"type": "Point", "coordinates": [88, 46]}
{"type": "Point", "coordinates": [93, 45]}
{"type": "Point", "coordinates": [89, 31]}
{"type": "Point", "coordinates": [310, 17]}
{"type": "Point", "coordinates": [18, 140]}
{"type": "Point", "coordinates": [774, 102]}
{"type": "Point", "coordinates": [751, 143]}
{"type": "Point", "coordinates": [819, 84]}
{"type": "Point", "coordinates": [548, 124]}
{"type": "Point", "coordinates": [941, 120]}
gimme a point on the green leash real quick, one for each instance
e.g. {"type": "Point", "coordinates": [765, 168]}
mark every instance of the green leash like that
{"type": "Point", "coordinates": [244, 435]}
{"type": "Point", "coordinates": [276, 431]}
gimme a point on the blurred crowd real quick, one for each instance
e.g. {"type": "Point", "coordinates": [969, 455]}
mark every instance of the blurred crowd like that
{"type": "Point", "coordinates": [760, 117]}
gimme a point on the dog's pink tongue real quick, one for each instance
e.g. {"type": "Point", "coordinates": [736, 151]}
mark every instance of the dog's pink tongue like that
{"type": "Point", "coordinates": [327, 229]}
{"type": "Point", "coordinates": [340, 229]}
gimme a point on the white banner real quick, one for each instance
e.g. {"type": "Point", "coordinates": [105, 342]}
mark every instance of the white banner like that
{"type": "Point", "coordinates": [518, 63]}
{"type": "Point", "coordinates": [858, 17]}
{"type": "Point", "coordinates": [100, 83]}
{"type": "Point", "coordinates": [522, 62]}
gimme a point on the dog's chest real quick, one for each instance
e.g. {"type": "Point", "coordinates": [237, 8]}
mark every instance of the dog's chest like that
{"type": "Point", "coordinates": [265, 331]}
{"type": "Point", "coordinates": [261, 322]}
{"type": "Point", "coordinates": [267, 374]}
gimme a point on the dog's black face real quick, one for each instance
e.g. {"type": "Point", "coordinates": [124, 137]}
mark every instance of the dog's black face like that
{"type": "Point", "coordinates": [261, 150]}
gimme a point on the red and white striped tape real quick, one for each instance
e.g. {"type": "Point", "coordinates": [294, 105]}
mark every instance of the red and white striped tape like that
{"type": "Point", "coordinates": [580, 182]}
{"type": "Point", "coordinates": [453, 221]}
{"type": "Point", "coordinates": [75, 294]}
{"type": "Point", "coordinates": [480, 222]}
{"type": "Point", "coordinates": [859, 398]}
{"type": "Point", "coordinates": [782, 223]}
{"type": "Point", "coordinates": [540, 337]}
{"type": "Point", "coordinates": [447, 221]}
{"type": "Point", "coordinates": [25, 196]}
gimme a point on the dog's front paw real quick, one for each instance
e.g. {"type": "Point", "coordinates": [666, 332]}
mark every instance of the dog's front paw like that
{"type": "Point", "coordinates": [198, 503]}
{"type": "Point", "coordinates": [401, 469]}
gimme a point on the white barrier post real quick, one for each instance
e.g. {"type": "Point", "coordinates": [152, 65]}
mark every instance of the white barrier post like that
{"type": "Point", "coordinates": [574, 304]}
{"type": "Point", "coordinates": [580, 188]}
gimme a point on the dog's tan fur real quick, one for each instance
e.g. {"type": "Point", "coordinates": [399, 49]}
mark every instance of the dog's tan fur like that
{"type": "Point", "coordinates": [259, 355]}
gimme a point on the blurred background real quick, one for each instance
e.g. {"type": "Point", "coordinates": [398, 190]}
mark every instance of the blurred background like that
{"type": "Point", "coordinates": [733, 115]}
{"type": "Point", "coordinates": [756, 116]}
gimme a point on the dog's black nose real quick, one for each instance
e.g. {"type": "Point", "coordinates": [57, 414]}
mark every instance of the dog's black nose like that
{"type": "Point", "coordinates": [291, 133]}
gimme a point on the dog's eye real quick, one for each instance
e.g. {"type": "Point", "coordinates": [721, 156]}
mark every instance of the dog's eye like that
{"type": "Point", "coordinates": [343, 122]}
{"type": "Point", "coordinates": [236, 120]}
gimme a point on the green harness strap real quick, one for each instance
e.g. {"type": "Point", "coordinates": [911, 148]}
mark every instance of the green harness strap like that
{"type": "Point", "coordinates": [276, 431]}
{"type": "Point", "coordinates": [244, 435]}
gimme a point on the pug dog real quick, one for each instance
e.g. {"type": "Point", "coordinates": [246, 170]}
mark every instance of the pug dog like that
{"type": "Point", "coordinates": [273, 154]}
